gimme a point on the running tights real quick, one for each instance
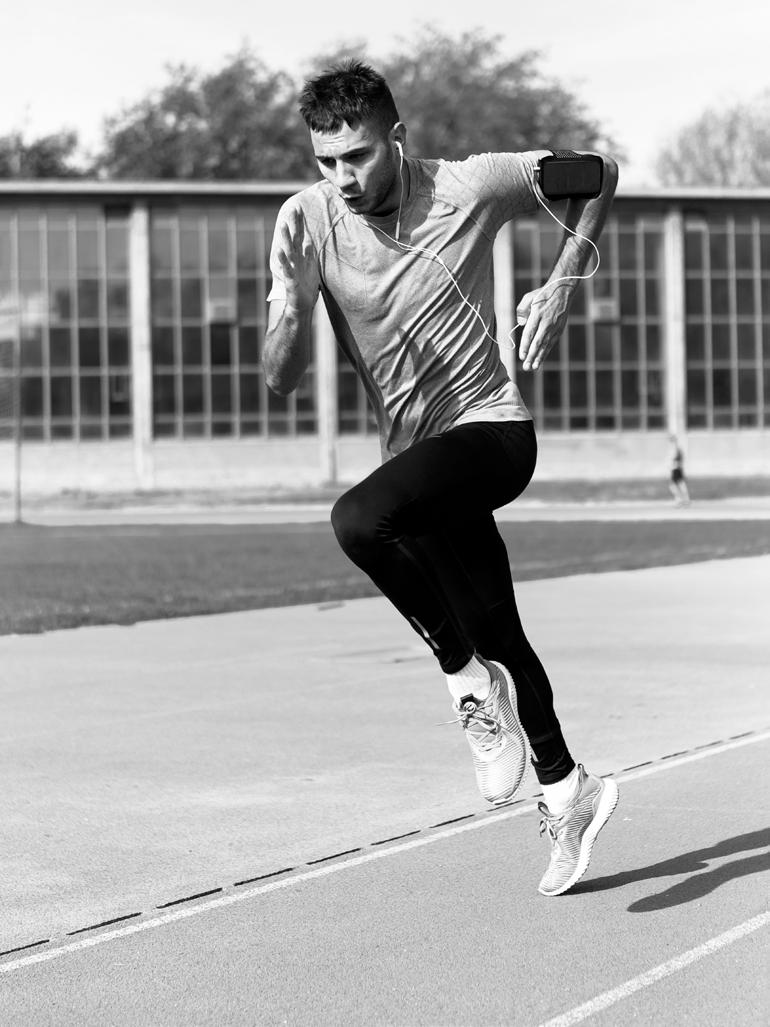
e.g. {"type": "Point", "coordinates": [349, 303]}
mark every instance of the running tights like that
{"type": "Point", "coordinates": [421, 526]}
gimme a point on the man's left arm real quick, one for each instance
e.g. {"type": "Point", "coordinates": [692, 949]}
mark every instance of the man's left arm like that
{"type": "Point", "coordinates": [544, 311]}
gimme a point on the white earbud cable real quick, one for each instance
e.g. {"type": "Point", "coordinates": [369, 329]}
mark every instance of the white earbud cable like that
{"type": "Point", "coordinates": [408, 247]}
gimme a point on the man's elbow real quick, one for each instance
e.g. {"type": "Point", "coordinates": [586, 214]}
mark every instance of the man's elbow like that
{"type": "Point", "coordinates": [279, 384]}
{"type": "Point", "coordinates": [611, 173]}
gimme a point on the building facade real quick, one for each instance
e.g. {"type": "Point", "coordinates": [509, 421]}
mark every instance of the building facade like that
{"type": "Point", "coordinates": [132, 317]}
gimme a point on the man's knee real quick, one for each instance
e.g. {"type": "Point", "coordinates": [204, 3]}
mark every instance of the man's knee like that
{"type": "Point", "coordinates": [356, 522]}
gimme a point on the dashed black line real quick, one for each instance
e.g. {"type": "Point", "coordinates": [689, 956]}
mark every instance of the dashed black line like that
{"type": "Point", "coordinates": [334, 855]}
{"type": "Point", "coordinates": [454, 820]}
{"type": "Point", "coordinates": [23, 948]}
{"type": "Point", "coordinates": [104, 923]}
{"type": "Point", "coordinates": [349, 852]}
{"type": "Point", "coordinates": [264, 877]}
{"type": "Point", "coordinates": [189, 898]}
{"type": "Point", "coordinates": [397, 837]}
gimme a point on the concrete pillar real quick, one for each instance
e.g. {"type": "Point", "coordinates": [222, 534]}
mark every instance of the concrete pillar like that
{"type": "Point", "coordinates": [502, 256]}
{"type": "Point", "coordinates": [326, 393]}
{"type": "Point", "coordinates": [141, 344]}
{"type": "Point", "coordinates": [674, 353]}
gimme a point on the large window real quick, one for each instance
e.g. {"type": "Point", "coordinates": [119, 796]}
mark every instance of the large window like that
{"type": "Point", "coordinates": [210, 279]}
{"type": "Point", "coordinates": [727, 303]}
{"type": "Point", "coordinates": [64, 291]}
{"type": "Point", "coordinates": [65, 294]}
{"type": "Point", "coordinates": [606, 372]}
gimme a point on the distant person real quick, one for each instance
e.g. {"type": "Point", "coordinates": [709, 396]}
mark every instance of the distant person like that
{"type": "Point", "coordinates": [400, 248]}
{"type": "Point", "coordinates": [677, 482]}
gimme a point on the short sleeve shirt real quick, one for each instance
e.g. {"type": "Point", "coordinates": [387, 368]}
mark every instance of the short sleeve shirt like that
{"type": "Point", "coordinates": [424, 356]}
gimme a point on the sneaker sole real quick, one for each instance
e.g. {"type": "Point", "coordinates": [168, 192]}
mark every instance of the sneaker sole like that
{"type": "Point", "coordinates": [519, 732]}
{"type": "Point", "coordinates": [607, 803]}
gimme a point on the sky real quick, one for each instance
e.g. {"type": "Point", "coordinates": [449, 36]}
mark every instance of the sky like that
{"type": "Point", "coordinates": [642, 69]}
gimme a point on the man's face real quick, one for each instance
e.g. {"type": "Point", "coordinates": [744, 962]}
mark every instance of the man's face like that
{"type": "Point", "coordinates": [362, 165]}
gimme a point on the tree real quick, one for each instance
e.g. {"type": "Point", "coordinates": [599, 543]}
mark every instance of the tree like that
{"type": "Point", "coordinates": [457, 95]}
{"type": "Point", "coordinates": [727, 147]}
{"type": "Point", "coordinates": [237, 123]}
{"type": "Point", "coordinates": [463, 95]}
{"type": "Point", "coordinates": [50, 156]}
{"type": "Point", "coordinates": [253, 125]}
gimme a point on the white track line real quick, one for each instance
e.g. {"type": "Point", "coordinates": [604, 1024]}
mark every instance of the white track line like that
{"type": "Point", "coordinates": [672, 966]}
{"type": "Point", "coordinates": [335, 868]}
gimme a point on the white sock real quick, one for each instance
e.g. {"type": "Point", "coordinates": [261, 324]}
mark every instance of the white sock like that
{"type": "Point", "coordinates": [558, 796]}
{"type": "Point", "coordinates": [474, 677]}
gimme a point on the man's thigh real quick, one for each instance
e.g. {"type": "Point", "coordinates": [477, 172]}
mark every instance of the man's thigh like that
{"type": "Point", "coordinates": [437, 482]}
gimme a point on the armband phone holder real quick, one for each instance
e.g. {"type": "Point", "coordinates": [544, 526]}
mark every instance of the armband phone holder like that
{"type": "Point", "coordinates": [567, 175]}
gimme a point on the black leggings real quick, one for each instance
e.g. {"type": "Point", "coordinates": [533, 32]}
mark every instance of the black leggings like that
{"type": "Point", "coordinates": [421, 526]}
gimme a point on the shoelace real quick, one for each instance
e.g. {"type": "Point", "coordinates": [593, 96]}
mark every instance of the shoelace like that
{"type": "Point", "coordinates": [490, 735]}
{"type": "Point", "coordinates": [548, 824]}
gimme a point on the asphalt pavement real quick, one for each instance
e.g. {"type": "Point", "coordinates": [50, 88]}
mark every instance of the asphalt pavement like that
{"type": "Point", "coordinates": [261, 818]}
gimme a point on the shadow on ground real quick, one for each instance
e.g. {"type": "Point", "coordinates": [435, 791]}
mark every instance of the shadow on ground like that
{"type": "Point", "coordinates": [699, 884]}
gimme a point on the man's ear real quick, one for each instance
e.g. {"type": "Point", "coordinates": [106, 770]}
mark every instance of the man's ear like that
{"type": "Point", "coordinates": [398, 135]}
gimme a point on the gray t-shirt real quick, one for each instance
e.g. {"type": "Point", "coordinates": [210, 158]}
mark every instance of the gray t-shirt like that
{"type": "Point", "coordinates": [422, 354]}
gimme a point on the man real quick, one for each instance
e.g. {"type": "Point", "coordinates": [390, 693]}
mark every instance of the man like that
{"type": "Point", "coordinates": [677, 482]}
{"type": "Point", "coordinates": [401, 251]}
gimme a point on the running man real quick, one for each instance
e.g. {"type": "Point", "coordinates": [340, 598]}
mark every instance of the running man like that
{"type": "Point", "coordinates": [400, 249]}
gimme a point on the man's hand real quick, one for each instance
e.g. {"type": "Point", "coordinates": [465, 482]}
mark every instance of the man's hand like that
{"type": "Point", "coordinates": [299, 264]}
{"type": "Point", "coordinates": [543, 312]}
{"type": "Point", "coordinates": [288, 340]}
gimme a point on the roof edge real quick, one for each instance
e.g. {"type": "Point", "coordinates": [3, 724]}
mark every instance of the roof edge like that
{"type": "Point", "coordinates": [130, 187]}
{"type": "Point", "coordinates": [160, 188]}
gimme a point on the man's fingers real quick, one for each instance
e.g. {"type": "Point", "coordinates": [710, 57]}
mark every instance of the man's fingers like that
{"type": "Point", "coordinates": [293, 232]}
{"type": "Point", "coordinates": [535, 357]}
{"type": "Point", "coordinates": [286, 247]}
{"type": "Point", "coordinates": [283, 260]}
{"type": "Point", "coordinates": [538, 347]}
{"type": "Point", "coordinates": [528, 336]}
{"type": "Point", "coordinates": [530, 355]}
{"type": "Point", "coordinates": [295, 220]}
{"type": "Point", "coordinates": [296, 242]}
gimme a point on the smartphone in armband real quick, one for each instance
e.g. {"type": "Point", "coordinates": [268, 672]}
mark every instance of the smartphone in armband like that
{"type": "Point", "coordinates": [569, 175]}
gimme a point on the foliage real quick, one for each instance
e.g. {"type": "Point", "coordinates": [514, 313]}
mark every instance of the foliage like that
{"type": "Point", "coordinates": [457, 95]}
{"type": "Point", "coordinates": [51, 156]}
{"type": "Point", "coordinates": [237, 123]}
{"type": "Point", "coordinates": [464, 95]}
{"type": "Point", "coordinates": [728, 147]}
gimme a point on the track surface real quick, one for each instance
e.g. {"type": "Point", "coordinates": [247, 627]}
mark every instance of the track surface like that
{"type": "Point", "coordinates": [149, 764]}
{"type": "Point", "coordinates": [447, 928]}
{"type": "Point", "coordinates": [124, 566]}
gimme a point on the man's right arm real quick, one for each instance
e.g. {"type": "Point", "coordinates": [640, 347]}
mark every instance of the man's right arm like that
{"type": "Point", "coordinates": [288, 345]}
{"type": "Point", "coordinates": [288, 340]}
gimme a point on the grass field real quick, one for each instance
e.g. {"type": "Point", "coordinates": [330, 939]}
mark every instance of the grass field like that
{"type": "Point", "coordinates": [64, 577]}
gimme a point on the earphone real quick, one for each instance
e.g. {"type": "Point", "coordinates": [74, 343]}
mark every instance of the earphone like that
{"type": "Point", "coordinates": [400, 149]}
{"type": "Point", "coordinates": [407, 247]}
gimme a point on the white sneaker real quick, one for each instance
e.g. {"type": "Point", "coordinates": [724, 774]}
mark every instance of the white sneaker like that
{"type": "Point", "coordinates": [495, 736]}
{"type": "Point", "coordinates": [572, 833]}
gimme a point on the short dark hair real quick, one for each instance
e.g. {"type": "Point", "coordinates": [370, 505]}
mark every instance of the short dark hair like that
{"type": "Point", "coordinates": [349, 92]}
